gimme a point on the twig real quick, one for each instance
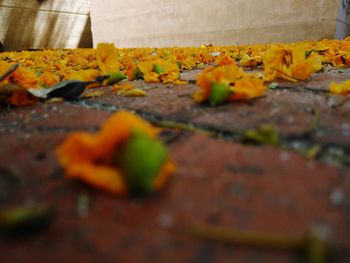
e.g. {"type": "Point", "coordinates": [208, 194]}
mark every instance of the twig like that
{"type": "Point", "coordinates": [9, 72]}
{"type": "Point", "coordinates": [314, 247]}
{"type": "Point", "coordinates": [245, 238]}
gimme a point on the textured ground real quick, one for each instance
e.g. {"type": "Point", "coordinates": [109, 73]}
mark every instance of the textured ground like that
{"type": "Point", "coordinates": [301, 185]}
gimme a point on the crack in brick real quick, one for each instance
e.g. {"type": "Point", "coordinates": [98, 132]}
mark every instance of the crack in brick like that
{"type": "Point", "coordinates": [329, 152]}
{"type": "Point", "coordinates": [42, 129]}
{"type": "Point", "coordinates": [301, 89]}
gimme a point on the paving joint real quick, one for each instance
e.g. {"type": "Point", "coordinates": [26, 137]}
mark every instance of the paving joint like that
{"type": "Point", "coordinates": [330, 152]}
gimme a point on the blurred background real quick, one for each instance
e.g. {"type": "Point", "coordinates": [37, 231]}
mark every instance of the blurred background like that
{"type": "Point", "coordinates": [37, 24]}
{"type": "Point", "coordinates": [33, 24]}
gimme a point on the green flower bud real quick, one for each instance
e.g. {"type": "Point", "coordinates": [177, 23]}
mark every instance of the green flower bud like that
{"type": "Point", "coordinates": [159, 69]}
{"type": "Point", "coordinates": [115, 77]}
{"type": "Point", "coordinates": [140, 159]}
{"type": "Point", "coordinates": [219, 94]}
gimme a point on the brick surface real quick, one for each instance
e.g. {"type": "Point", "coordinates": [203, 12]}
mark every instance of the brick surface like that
{"type": "Point", "coordinates": [265, 189]}
{"type": "Point", "coordinates": [294, 112]}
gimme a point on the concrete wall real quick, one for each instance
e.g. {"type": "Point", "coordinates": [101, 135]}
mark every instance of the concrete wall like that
{"type": "Point", "coordinates": [225, 22]}
{"type": "Point", "coordinates": [33, 24]}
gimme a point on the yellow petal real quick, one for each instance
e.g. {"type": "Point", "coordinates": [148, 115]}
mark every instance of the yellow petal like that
{"type": "Point", "coordinates": [135, 93]}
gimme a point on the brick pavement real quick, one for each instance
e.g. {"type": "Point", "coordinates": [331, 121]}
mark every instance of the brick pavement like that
{"type": "Point", "coordinates": [220, 180]}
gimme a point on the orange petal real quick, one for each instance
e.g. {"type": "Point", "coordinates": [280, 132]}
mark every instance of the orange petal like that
{"type": "Point", "coordinates": [167, 169]}
{"type": "Point", "coordinates": [102, 177]}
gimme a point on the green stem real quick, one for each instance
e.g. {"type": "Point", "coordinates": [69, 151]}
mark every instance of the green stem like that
{"type": "Point", "coordinates": [246, 238]}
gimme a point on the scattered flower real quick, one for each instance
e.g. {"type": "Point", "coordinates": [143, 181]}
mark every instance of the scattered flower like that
{"type": "Point", "coordinates": [290, 64]}
{"type": "Point", "coordinates": [43, 69]}
{"type": "Point", "coordinates": [340, 88]}
{"type": "Point", "coordinates": [227, 83]}
{"type": "Point", "coordinates": [248, 61]}
{"type": "Point", "coordinates": [135, 93]}
{"type": "Point", "coordinates": [93, 94]}
{"type": "Point", "coordinates": [123, 157]}
{"type": "Point", "coordinates": [107, 58]}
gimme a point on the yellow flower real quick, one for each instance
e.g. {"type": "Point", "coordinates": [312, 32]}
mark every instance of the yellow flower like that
{"type": "Point", "coordinates": [48, 79]}
{"type": "Point", "coordinates": [107, 58]}
{"type": "Point", "coordinates": [248, 61]}
{"type": "Point", "coordinates": [221, 74]}
{"type": "Point", "coordinates": [120, 88]}
{"type": "Point", "coordinates": [340, 88]}
{"type": "Point", "coordinates": [290, 64]}
{"type": "Point", "coordinates": [84, 75]}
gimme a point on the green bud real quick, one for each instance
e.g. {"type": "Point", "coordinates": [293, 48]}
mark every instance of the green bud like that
{"type": "Point", "coordinates": [219, 93]}
{"type": "Point", "coordinates": [140, 158]}
{"type": "Point", "coordinates": [24, 220]}
{"type": "Point", "coordinates": [159, 69]}
{"type": "Point", "coordinates": [115, 77]}
{"type": "Point", "coordinates": [273, 85]}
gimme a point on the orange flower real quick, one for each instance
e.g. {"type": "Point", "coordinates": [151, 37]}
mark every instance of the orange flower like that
{"type": "Point", "coordinates": [226, 74]}
{"type": "Point", "coordinates": [227, 82]}
{"type": "Point", "coordinates": [23, 77]}
{"type": "Point", "coordinates": [49, 79]}
{"type": "Point", "coordinates": [22, 98]}
{"type": "Point", "coordinates": [160, 71]}
{"type": "Point", "coordinates": [91, 157]}
{"type": "Point", "coordinates": [248, 87]}
{"type": "Point", "coordinates": [130, 71]}
{"type": "Point", "coordinates": [225, 60]}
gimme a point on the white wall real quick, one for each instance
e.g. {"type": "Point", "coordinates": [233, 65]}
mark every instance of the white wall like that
{"type": "Point", "coordinates": [226, 22]}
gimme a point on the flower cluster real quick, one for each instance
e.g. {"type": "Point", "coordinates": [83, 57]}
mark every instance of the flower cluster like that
{"type": "Point", "coordinates": [291, 62]}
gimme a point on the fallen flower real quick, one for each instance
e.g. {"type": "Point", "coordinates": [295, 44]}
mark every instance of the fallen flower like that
{"type": "Point", "coordinates": [135, 93]}
{"type": "Point", "coordinates": [291, 64]}
{"type": "Point", "coordinates": [43, 69]}
{"type": "Point", "coordinates": [107, 58]}
{"type": "Point", "coordinates": [83, 75]}
{"type": "Point", "coordinates": [123, 157]}
{"type": "Point", "coordinates": [93, 94]}
{"type": "Point", "coordinates": [128, 90]}
{"type": "Point", "coordinates": [227, 83]}
{"type": "Point", "coordinates": [121, 88]}
{"type": "Point", "coordinates": [158, 71]}
{"type": "Point", "coordinates": [248, 61]}
{"type": "Point", "coordinates": [340, 88]}
{"type": "Point", "coordinates": [15, 95]}
{"type": "Point", "coordinates": [10, 91]}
